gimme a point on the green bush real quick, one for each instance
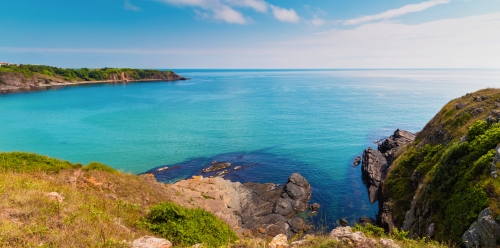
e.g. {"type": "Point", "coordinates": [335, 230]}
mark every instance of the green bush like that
{"type": "Point", "coordinates": [186, 227]}
{"type": "Point", "coordinates": [478, 128]}
{"type": "Point", "coordinates": [30, 162]}
{"type": "Point", "coordinates": [99, 166]}
{"type": "Point", "coordinates": [370, 230]}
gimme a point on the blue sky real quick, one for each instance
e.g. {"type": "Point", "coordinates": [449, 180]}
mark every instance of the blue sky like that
{"type": "Point", "coordinates": [252, 33]}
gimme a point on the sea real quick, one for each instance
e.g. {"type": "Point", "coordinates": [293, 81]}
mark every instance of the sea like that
{"type": "Point", "coordinates": [274, 122]}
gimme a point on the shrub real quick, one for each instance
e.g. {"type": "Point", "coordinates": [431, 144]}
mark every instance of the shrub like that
{"type": "Point", "coordinates": [186, 227]}
{"type": "Point", "coordinates": [30, 162]}
{"type": "Point", "coordinates": [99, 166]}
{"type": "Point", "coordinates": [478, 128]}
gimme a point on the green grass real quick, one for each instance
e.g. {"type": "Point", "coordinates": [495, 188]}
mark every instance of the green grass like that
{"type": "Point", "coordinates": [454, 173]}
{"type": "Point", "coordinates": [186, 227]}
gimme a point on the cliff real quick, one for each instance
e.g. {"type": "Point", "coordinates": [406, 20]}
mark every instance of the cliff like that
{"type": "Point", "coordinates": [24, 78]}
{"type": "Point", "coordinates": [438, 185]}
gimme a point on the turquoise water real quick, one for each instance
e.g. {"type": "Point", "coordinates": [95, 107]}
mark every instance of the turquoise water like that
{"type": "Point", "coordinates": [310, 121]}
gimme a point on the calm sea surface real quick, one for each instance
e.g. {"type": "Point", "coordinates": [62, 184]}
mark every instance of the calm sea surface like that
{"type": "Point", "coordinates": [314, 122]}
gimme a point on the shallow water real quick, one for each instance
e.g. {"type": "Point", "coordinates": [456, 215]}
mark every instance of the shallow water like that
{"type": "Point", "coordinates": [278, 121]}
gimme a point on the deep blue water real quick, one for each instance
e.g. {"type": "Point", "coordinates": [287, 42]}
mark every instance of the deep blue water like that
{"type": "Point", "coordinates": [276, 121]}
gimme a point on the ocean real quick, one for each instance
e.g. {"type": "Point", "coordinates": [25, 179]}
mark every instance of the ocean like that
{"type": "Point", "coordinates": [276, 122]}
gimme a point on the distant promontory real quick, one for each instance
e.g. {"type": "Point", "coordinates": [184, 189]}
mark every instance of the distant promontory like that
{"type": "Point", "coordinates": [23, 78]}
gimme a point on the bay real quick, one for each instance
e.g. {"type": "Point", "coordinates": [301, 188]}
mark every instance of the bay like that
{"type": "Point", "coordinates": [314, 122]}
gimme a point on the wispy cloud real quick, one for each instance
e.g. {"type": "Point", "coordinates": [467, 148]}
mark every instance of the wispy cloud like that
{"type": "Point", "coordinates": [129, 6]}
{"type": "Point", "coordinates": [469, 42]}
{"type": "Point", "coordinates": [225, 10]}
{"type": "Point", "coordinates": [396, 12]}
{"type": "Point", "coordinates": [285, 15]}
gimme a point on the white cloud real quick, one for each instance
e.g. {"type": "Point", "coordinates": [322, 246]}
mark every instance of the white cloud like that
{"type": "Point", "coordinates": [285, 15]}
{"type": "Point", "coordinates": [469, 42]}
{"type": "Point", "coordinates": [224, 10]}
{"type": "Point", "coordinates": [316, 21]}
{"type": "Point", "coordinates": [129, 6]}
{"type": "Point", "coordinates": [396, 12]}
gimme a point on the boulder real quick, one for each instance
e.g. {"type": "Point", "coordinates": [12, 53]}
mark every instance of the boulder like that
{"type": "Point", "coordinates": [366, 220]}
{"type": "Point", "coordinates": [344, 222]}
{"type": "Point", "coordinates": [280, 241]}
{"type": "Point", "coordinates": [346, 235]}
{"type": "Point", "coordinates": [55, 196]}
{"type": "Point", "coordinates": [485, 232]}
{"type": "Point", "coordinates": [294, 197]}
{"type": "Point", "coordinates": [151, 242]}
{"type": "Point", "coordinates": [356, 161]}
{"type": "Point", "coordinates": [459, 106]}
{"type": "Point", "coordinates": [314, 207]}
{"type": "Point", "coordinates": [388, 243]}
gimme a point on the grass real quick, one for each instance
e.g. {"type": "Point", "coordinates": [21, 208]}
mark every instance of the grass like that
{"type": "Point", "coordinates": [187, 227]}
{"type": "Point", "coordinates": [453, 156]}
{"type": "Point", "coordinates": [103, 207]}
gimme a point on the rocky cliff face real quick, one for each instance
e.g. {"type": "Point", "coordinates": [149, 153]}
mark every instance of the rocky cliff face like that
{"type": "Point", "coordinates": [251, 209]}
{"type": "Point", "coordinates": [376, 164]}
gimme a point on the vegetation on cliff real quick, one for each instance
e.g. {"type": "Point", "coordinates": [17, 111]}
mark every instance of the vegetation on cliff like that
{"type": "Point", "coordinates": [85, 74]}
{"type": "Point", "coordinates": [447, 169]}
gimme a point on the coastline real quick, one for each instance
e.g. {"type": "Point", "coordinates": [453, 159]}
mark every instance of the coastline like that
{"type": "Point", "coordinates": [40, 83]}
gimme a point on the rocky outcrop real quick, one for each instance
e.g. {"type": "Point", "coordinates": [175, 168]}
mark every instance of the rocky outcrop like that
{"type": "Point", "coordinates": [376, 164]}
{"type": "Point", "coordinates": [485, 232]}
{"type": "Point", "coordinates": [294, 197]}
{"type": "Point", "coordinates": [358, 239]}
{"type": "Point", "coordinates": [251, 209]}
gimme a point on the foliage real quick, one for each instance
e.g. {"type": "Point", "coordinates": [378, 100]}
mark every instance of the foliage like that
{"type": "Point", "coordinates": [370, 230]}
{"type": "Point", "coordinates": [99, 166]}
{"type": "Point", "coordinates": [478, 128]}
{"type": "Point", "coordinates": [30, 162]}
{"type": "Point", "coordinates": [188, 227]}
{"type": "Point", "coordinates": [86, 74]}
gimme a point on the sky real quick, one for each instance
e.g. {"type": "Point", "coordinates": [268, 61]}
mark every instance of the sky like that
{"type": "Point", "coordinates": [260, 34]}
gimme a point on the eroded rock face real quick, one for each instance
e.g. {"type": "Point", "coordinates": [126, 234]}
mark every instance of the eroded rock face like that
{"type": "Point", "coordinates": [485, 232]}
{"type": "Point", "coordinates": [376, 164]}
{"type": "Point", "coordinates": [251, 209]}
{"type": "Point", "coordinates": [373, 172]}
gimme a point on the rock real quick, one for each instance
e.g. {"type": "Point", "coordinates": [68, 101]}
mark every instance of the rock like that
{"type": "Point", "coordinates": [247, 208]}
{"type": "Point", "coordinates": [431, 231]}
{"type": "Point", "coordinates": [294, 197]}
{"type": "Point", "coordinates": [357, 161]}
{"type": "Point", "coordinates": [491, 120]}
{"type": "Point", "coordinates": [485, 232]}
{"type": "Point", "coordinates": [314, 207]}
{"type": "Point", "coordinates": [55, 196]}
{"type": "Point", "coordinates": [495, 112]}
{"type": "Point", "coordinates": [373, 172]}
{"type": "Point", "coordinates": [151, 242]}
{"type": "Point", "coordinates": [346, 235]}
{"type": "Point", "coordinates": [497, 104]}
{"type": "Point", "coordinates": [477, 98]}
{"type": "Point", "coordinates": [415, 179]}
{"type": "Point", "coordinates": [162, 169]}
{"type": "Point", "coordinates": [216, 166]}
{"type": "Point", "coordinates": [344, 222]}
{"type": "Point", "coordinates": [496, 161]}
{"type": "Point", "coordinates": [366, 220]}
{"type": "Point", "coordinates": [388, 243]}
{"type": "Point", "coordinates": [296, 224]}
{"type": "Point", "coordinates": [459, 106]}
{"type": "Point", "coordinates": [477, 111]}
{"type": "Point", "coordinates": [484, 98]}
{"type": "Point", "coordinates": [280, 241]}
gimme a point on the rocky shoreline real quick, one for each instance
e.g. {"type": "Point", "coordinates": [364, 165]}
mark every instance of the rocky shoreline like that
{"type": "Point", "coordinates": [13, 82]}
{"type": "Point", "coordinates": [253, 210]}
{"type": "Point", "coordinates": [376, 165]}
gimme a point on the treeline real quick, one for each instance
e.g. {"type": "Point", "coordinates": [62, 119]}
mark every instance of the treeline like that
{"type": "Point", "coordinates": [86, 74]}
